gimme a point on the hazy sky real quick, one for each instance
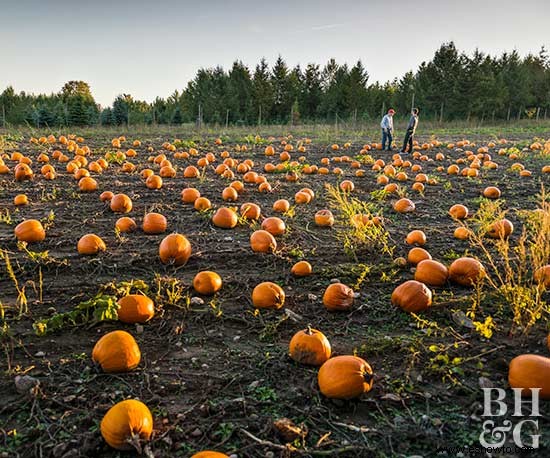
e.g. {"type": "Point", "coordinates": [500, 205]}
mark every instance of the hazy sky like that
{"type": "Point", "coordinates": [149, 48]}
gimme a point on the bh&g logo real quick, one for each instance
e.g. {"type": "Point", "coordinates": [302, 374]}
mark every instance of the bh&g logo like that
{"type": "Point", "coordinates": [495, 434]}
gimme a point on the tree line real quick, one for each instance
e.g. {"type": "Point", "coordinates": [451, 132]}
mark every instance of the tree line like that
{"type": "Point", "coordinates": [451, 86]}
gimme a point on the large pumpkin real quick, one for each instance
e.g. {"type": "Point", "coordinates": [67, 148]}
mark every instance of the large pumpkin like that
{"type": "Point", "coordinates": [268, 295]}
{"type": "Point", "coordinates": [154, 223]}
{"type": "Point", "coordinates": [309, 346]}
{"type": "Point", "coordinates": [225, 218]}
{"type": "Point", "coordinates": [338, 297]}
{"type": "Point", "coordinates": [117, 351]}
{"type": "Point", "coordinates": [274, 225]}
{"type": "Point", "coordinates": [174, 249]}
{"type": "Point", "coordinates": [262, 242]}
{"type": "Point", "coordinates": [412, 296]}
{"type": "Point", "coordinates": [530, 371]}
{"type": "Point", "coordinates": [500, 229]}
{"type": "Point", "coordinates": [30, 230]}
{"type": "Point", "coordinates": [135, 308]}
{"type": "Point", "coordinates": [121, 203]}
{"type": "Point", "coordinates": [417, 255]}
{"type": "Point", "coordinates": [126, 424]}
{"type": "Point", "coordinates": [466, 271]}
{"type": "Point", "coordinates": [207, 282]}
{"type": "Point", "coordinates": [345, 377]}
{"type": "Point", "coordinates": [431, 273]}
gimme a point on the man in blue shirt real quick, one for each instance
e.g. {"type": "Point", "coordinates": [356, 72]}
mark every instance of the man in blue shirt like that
{"type": "Point", "coordinates": [387, 129]}
{"type": "Point", "coordinates": [411, 130]}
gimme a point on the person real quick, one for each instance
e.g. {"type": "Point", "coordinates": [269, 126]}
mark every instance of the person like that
{"type": "Point", "coordinates": [411, 130]}
{"type": "Point", "coordinates": [387, 129]}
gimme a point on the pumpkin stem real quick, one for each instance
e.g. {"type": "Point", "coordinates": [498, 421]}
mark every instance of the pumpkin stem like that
{"type": "Point", "coordinates": [309, 331]}
{"type": "Point", "coordinates": [133, 440]}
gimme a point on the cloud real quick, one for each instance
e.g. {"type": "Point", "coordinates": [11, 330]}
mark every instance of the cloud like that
{"type": "Point", "coordinates": [327, 26]}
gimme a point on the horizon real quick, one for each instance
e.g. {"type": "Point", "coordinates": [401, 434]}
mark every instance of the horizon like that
{"type": "Point", "coordinates": [109, 50]}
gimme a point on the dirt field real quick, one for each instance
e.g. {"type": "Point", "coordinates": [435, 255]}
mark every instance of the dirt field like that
{"type": "Point", "coordinates": [215, 373]}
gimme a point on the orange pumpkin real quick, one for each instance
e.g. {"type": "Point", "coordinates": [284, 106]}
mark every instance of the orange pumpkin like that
{"type": "Point", "coordinates": [250, 211]}
{"type": "Point", "coordinates": [263, 242]}
{"type": "Point", "coordinates": [30, 230]}
{"type": "Point", "coordinates": [121, 203]}
{"type": "Point", "coordinates": [274, 225]}
{"type": "Point", "coordinates": [404, 206]}
{"type": "Point", "coordinates": [530, 371]}
{"type": "Point", "coordinates": [175, 249]}
{"type": "Point", "coordinates": [466, 271]}
{"type": "Point", "coordinates": [116, 351]}
{"type": "Point", "coordinates": [202, 204]}
{"type": "Point", "coordinates": [281, 206]}
{"type": "Point", "coordinates": [135, 308]}
{"type": "Point", "coordinates": [500, 229]}
{"type": "Point", "coordinates": [209, 454]}
{"type": "Point", "coordinates": [207, 283]}
{"type": "Point", "coordinates": [338, 297]}
{"type": "Point", "coordinates": [345, 377]}
{"type": "Point", "coordinates": [310, 347]}
{"type": "Point", "coordinates": [154, 223]}
{"type": "Point", "coordinates": [458, 211]}
{"type": "Point", "coordinates": [416, 237]}
{"type": "Point", "coordinates": [324, 218]}
{"type": "Point", "coordinates": [225, 218]}
{"type": "Point", "coordinates": [125, 224]}
{"type": "Point", "coordinates": [431, 273]}
{"type": "Point", "coordinates": [492, 192]}
{"type": "Point", "coordinates": [190, 195]}
{"type": "Point", "coordinates": [542, 276]}
{"type": "Point", "coordinates": [90, 244]}
{"type": "Point", "coordinates": [268, 295]}
{"type": "Point", "coordinates": [417, 255]}
{"type": "Point", "coordinates": [126, 424]}
{"type": "Point", "coordinates": [301, 269]}
{"type": "Point", "coordinates": [106, 196]}
{"type": "Point", "coordinates": [412, 296]}
{"type": "Point", "coordinates": [20, 199]}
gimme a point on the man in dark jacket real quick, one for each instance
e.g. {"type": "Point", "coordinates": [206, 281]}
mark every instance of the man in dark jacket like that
{"type": "Point", "coordinates": [411, 129]}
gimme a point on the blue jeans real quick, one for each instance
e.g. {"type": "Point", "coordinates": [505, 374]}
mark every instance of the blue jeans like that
{"type": "Point", "coordinates": [386, 136]}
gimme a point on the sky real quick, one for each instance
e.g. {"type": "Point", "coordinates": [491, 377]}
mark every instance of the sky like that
{"type": "Point", "coordinates": [150, 48]}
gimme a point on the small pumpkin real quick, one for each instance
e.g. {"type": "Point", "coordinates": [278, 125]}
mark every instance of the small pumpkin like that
{"type": "Point", "coordinates": [324, 218]}
{"type": "Point", "coordinates": [301, 269]}
{"type": "Point", "coordinates": [225, 218]}
{"type": "Point", "coordinates": [431, 273]}
{"type": "Point", "coordinates": [466, 271]}
{"type": "Point", "coordinates": [175, 249]}
{"type": "Point", "coordinates": [121, 203]}
{"type": "Point", "coordinates": [458, 211]}
{"type": "Point", "coordinates": [207, 283]}
{"type": "Point", "coordinates": [530, 371]}
{"type": "Point", "coordinates": [417, 255]}
{"type": "Point", "coordinates": [309, 346]}
{"type": "Point", "coordinates": [462, 233]}
{"type": "Point", "coordinates": [416, 237]}
{"type": "Point", "coordinates": [190, 195]}
{"type": "Point", "coordinates": [125, 224]}
{"type": "Point", "coordinates": [135, 308]}
{"type": "Point", "coordinates": [250, 211]}
{"type": "Point", "coordinates": [30, 230]}
{"type": "Point", "coordinates": [345, 377]}
{"type": "Point", "coordinates": [126, 424]}
{"type": "Point", "coordinates": [338, 297]}
{"type": "Point", "coordinates": [274, 225]}
{"type": "Point", "coordinates": [87, 184]}
{"type": "Point", "coordinates": [106, 196]}
{"type": "Point", "coordinates": [404, 206]}
{"type": "Point", "coordinates": [209, 454]}
{"type": "Point", "coordinates": [542, 276]}
{"type": "Point", "coordinates": [492, 192]}
{"type": "Point", "coordinates": [202, 204]}
{"type": "Point", "coordinates": [500, 229]}
{"type": "Point", "coordinates": [154, 223]}
{"type": "Point", "coordinates": [90, 244]}
{"type": "Point", "coordinates": [262, 242]}
{"type": "Point", "coordinates": [116, 351]}
{"type": "Point", "coordinates": [268, 295]}
{"type": "Point", "coordinates": [20, 199]}
{"type": "Point", "coordinates": [412, 296]}
{"type": "Point", "coordinates": [281, 206]}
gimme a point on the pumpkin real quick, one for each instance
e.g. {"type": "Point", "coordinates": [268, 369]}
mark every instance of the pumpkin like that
{"type": "Point", "coordinates": [492, 192]}
{"type": "Point", "coordinates": [324, 218]}
{"type": "Point", "coordinates": [90, 244]}
{"type": "Point", "coordinates": [274, 225]}
{"type": "Point", "coordinates": [153, 182]}
{"type": "Point", "coordinates": [466, 271]}
{"type": "Point", "coordinates": [338, 296]}
{"type": "Point", "coordinates": [530, 371]}
{"type": "Point", "coordinates": [225, 218]}
{"type": "Point", "coordinates": [154, 223]}
{"type": "Point", "coordinates": [345, 377]}
{"type": "Point", "coordinates": [121, 203]}
{"type": "Point", "coordinates": [209, 454]}
{"type": "Point", "coordinates": [412, 296]}
{"type": "Point", "coordinates": [251, 211]}
{"type": "Point", "coordinates": [106, 196]}
{"type": "Point", "coordinates": [431, 273]}
{"type": "Point", "coordinates": [20, 199]}
{"type": "Point", "coordinates": [416, 237]}
{"type": "Point", "coordinates": [268, 295]}
{"type": "Point", "coordinates": [458, 211]}
{"type": "Point", "coordinates": [417, 255]}
{"type": "Point", "coordinates": [461, 233]}
{"type": "Point", "coordinates": [263, 242]}
{"type": "Point", "coordinates": [202, 204]}
{"type": "Point", "coordinates": [174, 249]}
{"type": "Point", "coordinates": [190, 195]}
{"type": "Point", "coordinates": [125, 224]}
{"type": "Point", "coordinates": [404, 205]}
{"type": "Point", "coordinates": [30, 230]}
{"type": "Point", "coordinates": [116, 351]}
{"type": "Point", "coordinates": [500, 229]}
{"type": "Point", "coordinates": [230, 194]}
{"type": "Point", "coordinates": [542, 276]}
{"type": "Point", "coordinates": [301, 269]}
{"type": "Point", "coordinates": [347, 186]}
{"type": "Point", "coordinates": [310, 347]}
{"type": "Point", "coordinates": [87, 184]}
{"type": "Point", "coordinates": [207, 283]}
{"type": "Point", "coordinates": [135, 308]}
{"type": "Point", "coordinates": [22, 172]}
{"type": "Point", "coordinates": [126, 424]}
{"type": "Point", "coordinates": [281, 206]}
